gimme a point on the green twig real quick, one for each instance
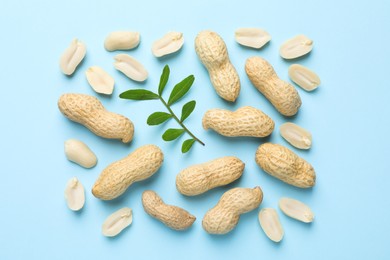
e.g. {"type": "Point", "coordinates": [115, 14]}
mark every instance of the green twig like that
{"type": "Point", "coordinates": [179, 122]}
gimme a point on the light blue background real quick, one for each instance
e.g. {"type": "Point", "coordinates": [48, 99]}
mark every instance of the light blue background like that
{"type": "Point", "coordinates": [348, 116]}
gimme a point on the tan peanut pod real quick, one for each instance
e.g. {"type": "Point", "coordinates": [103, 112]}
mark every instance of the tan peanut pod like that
{"type": "Point", "coordinates": [225, 215]}
{"type": "Point", "coordinates": [198, 179]}
{"type": "Point", "coordinates": [118, 176]}
{"type": "Point", "coordinates": [245, 121]}
{"type": "Point", "coordinates": [172, 216]}
{"type": "Point", "coordinates": [283, 96]}
{"type": "Point", "coordinates": [89, 111]}
{"type": "Point", "coordinates": [284, 164]}
{"type": "Point", "coordinates": [212, 52]}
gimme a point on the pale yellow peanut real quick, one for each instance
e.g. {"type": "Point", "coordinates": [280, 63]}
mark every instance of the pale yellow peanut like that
{"type": "Point", "coordinates": [283, 96]}
{"type": "Point", "coordinates": [118, 176]}
{"type": "Point", "coordinates": [212, 52]}
{"type": "Point", "coordinates": [303, 77]}
{"type": "Point", "coordinates": [89, 111]}
{"type": "Point", "coordinates": [100, 80]}
{"type": "Point", "coordinates": [79, 153]}
{"type": "Point", "coordinates": [169, 43]}
{"type": "Point", "coordinates": [270, 223]}
{"type": "Point", "coordinates": [74, 194]}
{"type": "Point", "coordinates": [129, 66]}
{"type": "Point", "coordinates": [198, 179]}
{"type": "Point", "coordinates": [121, 40]}
{"type": "Point", "coordinates": [117, 222]}
{"type": "Point", "coordinates": [252, 37]}
{"type": "Point", "coordinates": [245, 121]}
{"type": "Point", "coordinates": [225, 215]}
{"type": "Point", "coordinates": [284, 164]}
{"type": "Point", "coordinates": [172, 216]}
{"type": "Point", "coordinates": [72, 57]}
{"type": "Point", "coordinates": [296, 47]}
{"type": "Point", "coordinates": [296, 209]}
{"type": "Point", "coordinates": [296, 135]}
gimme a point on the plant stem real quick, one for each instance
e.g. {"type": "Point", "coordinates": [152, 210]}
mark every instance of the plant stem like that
{"type": "Point", "coordinates": [179, 122]}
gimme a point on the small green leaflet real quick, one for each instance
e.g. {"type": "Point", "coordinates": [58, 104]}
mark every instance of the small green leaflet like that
{"type": "Point", "coordinates": [187, 144]}
{"type": "Point", "coordinates": [172, 133]}
{"type": "Point", "coordinates": [139, 94]}
{"type": "Point", "coordinates": [181, 89]}
{"type": "Point", "coordinates": [163, 79]}
{"type": "Point", "coordinates": [187, 110]}
{"type": "Point", "coordinates": [158, 118]}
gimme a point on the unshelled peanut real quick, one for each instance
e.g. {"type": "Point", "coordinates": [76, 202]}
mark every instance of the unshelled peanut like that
{"type": "Point", "coordinates": [282, 95]}
{"type": "Point", "coordinates": [212, 52]}
{"type": "Point", "coordinates": [89, 111]}
{"type": "Point", "coordinates": [225, 215]}
{"type": "Point", "coordinates": [172, 216]}
{"type": "Point", "coordinates": [198, 179]}
{"type": "Point", "coordinates": [284, 164]}
{"type": "Point", "coordinates": [245, 121]}
{"type": "Point", "coordinates": [118, 176]}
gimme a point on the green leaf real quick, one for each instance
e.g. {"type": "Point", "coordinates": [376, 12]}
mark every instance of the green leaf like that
{"type": "Point", "coordinates": [158, 118]}
{"type": "Point", "coordinates": [187, 110]}
{"type": "Point", "coordinates": [181, 89]}
{"type": "Point", "coordinates": [139, 94]}
{"type": "Point", "coordinates": [172, 134]}
{"type": "Point", "coordinates": [187, 144]}
{"type": "Point", "coordinates": [163, 79]}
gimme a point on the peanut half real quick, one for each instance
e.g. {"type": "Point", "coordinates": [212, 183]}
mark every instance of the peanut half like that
{"type": "Point", "coordinates": [117, 221]}
{"type": "Point", "coordinates": [296, 135]}
{"type": "Point", "coordinates": [72, 57]}
{"type": "Point", "coordinates": [296, 47]}
{"type": "Point", "coordinates": [79, 153]}
{"type": "Point", "coordinates": [245, 121]}
{"type": "Point", "coordinates": [282, 163]}
{"type": "Point", "coordinates": [270, 223]}
{"type": "Point", "coordinates": [100, 80]}
{"type": "Point", "coordinates": [200, 178]}
{"type": "Point", "coordinates": [122, 40]}
{"type": "Point", "coordinates": [225, 215]}
{"type": "Point", "coordinates": [89, 111]}
{"type": "Point", "coordinates": [304, 77]}
{"type": "Point", "coordinates": [118, 176]}
{"type": "Point", "coordinates": [252, 37]}
{"type": "Point", "coordinates": [129, 66]}
{"type": "Point", "coordinates": [296, 210]}
{"type": "Point", "coordinates": [172, 216]}
{"type": "Point", "coordinates": [212, 52]}
{"type": "Point", "coordinates": [283, 96]}
{"type": "Point", "coordinates": [74, 194]}
{"type": "Point", "coordinates": [169, 43]}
